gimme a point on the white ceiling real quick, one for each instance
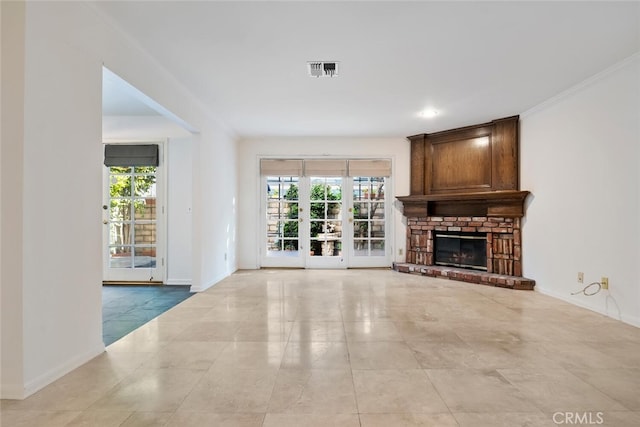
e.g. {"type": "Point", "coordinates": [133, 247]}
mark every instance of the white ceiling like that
{"type": "Point", "coordinates": [473, 61]}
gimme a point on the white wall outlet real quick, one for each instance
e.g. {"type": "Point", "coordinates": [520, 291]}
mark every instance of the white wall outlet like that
{"type": "Point", "coordinates": [604, 282]}
{"type": "Point", "coordinates": [580, 277]}
{"type": "Point", "coordinates": [400, 251]}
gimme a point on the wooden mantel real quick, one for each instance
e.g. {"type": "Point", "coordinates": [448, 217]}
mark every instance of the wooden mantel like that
{"type": "Point", "coordinates": [506, 203]}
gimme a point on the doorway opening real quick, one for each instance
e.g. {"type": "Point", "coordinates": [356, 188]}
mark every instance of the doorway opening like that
{"type": "Point", "coordinates": [136, 133]}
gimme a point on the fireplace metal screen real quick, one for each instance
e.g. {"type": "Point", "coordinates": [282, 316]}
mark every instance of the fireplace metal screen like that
{"type": "Point", "coordinates": [465, 250]}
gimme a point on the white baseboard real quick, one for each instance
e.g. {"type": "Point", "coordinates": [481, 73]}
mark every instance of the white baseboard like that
{"type": "Point", "coordinates": [182, 282]}
{"type": "Point", "coordinates": [14, 391]}
{"type": "Point", "coordinates": [631, 320]}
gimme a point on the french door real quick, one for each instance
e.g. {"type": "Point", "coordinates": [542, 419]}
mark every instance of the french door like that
{"type": "Point", "coordinates": [325, 233]}
{"type": "Point", "coordinates": [326, 222]}
{"type": "Point", "coordinates": [370, 243]}
{"type": "Point", "coordinates": [133, 215]}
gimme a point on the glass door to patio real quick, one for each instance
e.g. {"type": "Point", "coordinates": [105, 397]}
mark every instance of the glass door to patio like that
{"type": "Point", "coordinates": [329, 220]}
{"type": "Point", "coordinates": [133, 216]}
{"type": "Point", "coordinates": [326, 232]}
{"type": "Point", "coordinates": [368, 213]}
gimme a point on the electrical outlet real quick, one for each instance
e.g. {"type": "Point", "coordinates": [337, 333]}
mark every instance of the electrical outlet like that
{"type": "Point", "coordinates": [400, 251]}
{"type": "Point", "coordinates": [580, 277]}
{"type": "Point", "coordinates": [604, 282]}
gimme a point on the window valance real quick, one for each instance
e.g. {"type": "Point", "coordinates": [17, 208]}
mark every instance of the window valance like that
{"type": "Point", "coordinates": [325, 167]}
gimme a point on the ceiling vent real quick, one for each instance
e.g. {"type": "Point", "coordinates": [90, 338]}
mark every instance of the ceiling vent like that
{"type": "Point", "coordinates": [322, 69]}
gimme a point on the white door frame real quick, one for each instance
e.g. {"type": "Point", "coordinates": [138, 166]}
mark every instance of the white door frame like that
{"type": "Point", "coordinates": [159, 272]}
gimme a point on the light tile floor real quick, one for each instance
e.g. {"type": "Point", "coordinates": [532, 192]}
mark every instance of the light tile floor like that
{"type": "Point", "coordinates": [354, 348]}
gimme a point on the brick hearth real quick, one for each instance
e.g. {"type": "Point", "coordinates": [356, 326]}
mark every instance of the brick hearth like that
{"type": "Point", "coordinates": [469, 276]}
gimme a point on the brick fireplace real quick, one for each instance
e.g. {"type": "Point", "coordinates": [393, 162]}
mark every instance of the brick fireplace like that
{"type": "Point", "coordinates": [502, 244]}
{"type": "Point", "coordinates": [466, 181]}
{"type": "Point", "coordinates": [503, 250]}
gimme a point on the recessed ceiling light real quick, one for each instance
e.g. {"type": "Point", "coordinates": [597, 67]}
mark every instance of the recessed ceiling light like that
{"type": "Point", "coordinates": [429, 113]}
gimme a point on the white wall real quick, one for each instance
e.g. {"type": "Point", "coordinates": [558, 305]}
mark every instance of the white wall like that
{"type": "Point", "coordinates": [214, 209]}
{"type": "Point", "coordinates": [55, 299]}
{"type": "Point", "coordinates": [581, 160]}
{"type": "Point", "coordinates": [250, 150]}
{"type": "Point", "coordinates": [11, 181]}
{"type": "Point", "coordinates": [56, 273]}
{"type": "Point", "coordinates": [179, 209]}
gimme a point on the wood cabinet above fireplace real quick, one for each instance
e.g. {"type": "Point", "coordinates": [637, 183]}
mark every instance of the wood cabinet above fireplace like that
{"type": "Point", "coordinates": [473, 159]}
{"type": "Point", "coordinates": [472, 170]}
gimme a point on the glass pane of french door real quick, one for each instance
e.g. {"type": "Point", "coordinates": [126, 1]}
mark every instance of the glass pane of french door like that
{"type": "Point", "coordinates": [325, 212]}
{"type": "Point", "coordinates": [132, 222]}
{"type": "Point", "coordinates": [283, 206]}
{"type": "Point", "coordinates": [369, 216]}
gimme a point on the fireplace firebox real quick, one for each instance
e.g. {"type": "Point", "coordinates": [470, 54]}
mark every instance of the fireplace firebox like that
{"type": "Point", "coordinates": [464, 250]}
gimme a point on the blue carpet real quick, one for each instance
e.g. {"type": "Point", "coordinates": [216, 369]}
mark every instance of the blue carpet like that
{"type": "Point", "coordinates": [126, 308]}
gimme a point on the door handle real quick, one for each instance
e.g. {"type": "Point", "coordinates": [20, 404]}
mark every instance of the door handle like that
{"type": "Point", "coordinates": [300, 220]}
{"type": "Point", "coordinates": [104, 221]}
{"type": "Point", "coordinates": [105, 207]}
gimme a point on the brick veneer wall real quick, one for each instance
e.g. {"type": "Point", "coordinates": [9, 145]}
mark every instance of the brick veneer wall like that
{"type": "Point", "coordinates": [504, 247]}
